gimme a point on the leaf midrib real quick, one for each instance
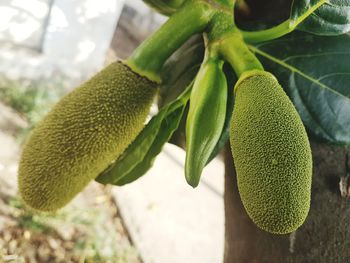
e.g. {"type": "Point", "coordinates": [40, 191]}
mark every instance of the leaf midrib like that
{"type": "Point", "coordinates": [314, 55]}
{"type": "Point", "coordinates": [293, 69]}
{"type": "Point", "coordinates": [311, 9]}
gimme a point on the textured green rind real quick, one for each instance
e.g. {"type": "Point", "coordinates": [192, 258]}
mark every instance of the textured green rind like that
{"type": "Point", "coordinates": [272, 155]}
{"type": "Point", "coordinates": [85, 131]}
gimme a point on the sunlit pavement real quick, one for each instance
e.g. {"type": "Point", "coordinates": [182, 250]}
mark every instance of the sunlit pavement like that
{"type": "Point", "coordinates": [168, 220]}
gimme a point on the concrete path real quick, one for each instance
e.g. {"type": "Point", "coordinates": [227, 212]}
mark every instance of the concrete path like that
{"type": "Point", "coordinates": [170, 222]}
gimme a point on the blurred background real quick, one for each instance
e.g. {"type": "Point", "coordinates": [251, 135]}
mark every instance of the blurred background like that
{"type": "Point", "coordinates": [48, 47]}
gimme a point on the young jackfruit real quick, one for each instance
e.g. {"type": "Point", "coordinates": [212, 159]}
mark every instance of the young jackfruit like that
{"type": "Point", "coordinates": [272, 154]}
{"type": "Point", "coordinates": [82, 135]}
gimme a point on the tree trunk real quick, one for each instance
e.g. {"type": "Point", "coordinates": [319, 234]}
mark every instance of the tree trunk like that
{"type": "Point", "coordinates": [325, 235]}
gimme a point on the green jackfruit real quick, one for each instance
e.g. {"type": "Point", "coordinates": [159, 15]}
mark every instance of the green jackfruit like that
{"type": "Point", "coordinates": [272, 154]}
{"type": "Point", "coordinates": [82, 135]}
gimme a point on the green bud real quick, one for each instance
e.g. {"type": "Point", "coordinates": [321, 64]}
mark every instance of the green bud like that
{"type": "Point", "coordinates": [206, 118]}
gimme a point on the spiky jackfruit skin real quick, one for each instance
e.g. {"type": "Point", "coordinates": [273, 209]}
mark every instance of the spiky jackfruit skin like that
{"type": "Point", "coordinates": [82, 135]}
{"type": "Point", "coordinates": [272, 155]}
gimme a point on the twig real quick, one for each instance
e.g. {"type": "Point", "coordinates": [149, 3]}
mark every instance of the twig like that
{"type": "Point", "coordinates": [344, 184]}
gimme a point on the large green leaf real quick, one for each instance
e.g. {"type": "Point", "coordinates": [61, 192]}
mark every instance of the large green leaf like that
{"type": "Point", "coordinates": [303, 8]}
{"type": "Point", "coordinates": [315, 72]}
{"type": "Point", "coordinates": [323, 17]}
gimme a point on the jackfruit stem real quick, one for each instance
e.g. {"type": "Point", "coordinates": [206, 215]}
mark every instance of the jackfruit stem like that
{"type": "Point", "coordinates": [236, 52]}
{"type": "Point", "coordinates": [149, 58]}
{"type": "Point", "coordinates": [282, 29]}
{"type": "Point", "coordinates": [268, 34]}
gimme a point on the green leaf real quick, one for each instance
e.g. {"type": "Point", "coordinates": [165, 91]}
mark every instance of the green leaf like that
{"type": "Point", "coordinates": [323, 17]}
{"type": "Point", "coordinates": [320, 17]}
{"type": "Point", "coordinates": [303, 8]}
{"type": "Point", "coordinates": [134, 154]}
{"type": "Point", "coordinates": [181, 69]}
{"type": "Point", "coordinates": [168, 126]}
{"type": "Point", "coordinates": [139, 156]}
{"type": "Point", "coordinates": [315, 72]}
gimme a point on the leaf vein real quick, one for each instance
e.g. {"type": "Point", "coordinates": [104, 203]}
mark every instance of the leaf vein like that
{"type": "Point", "coordinates": [315, 55]}
{"type": "Point", "coordinates": [324, 20]}
{"type": "Point", "coordinates": [333, 74]}
{"type": "Point", "coordinates": [310, 113]}
{"type": "Point", "coordinates": [297, 71]}
{"type": "Point", "coordinates": [337, 5]}
{"type": "Point", "coordinates": [284, 39]}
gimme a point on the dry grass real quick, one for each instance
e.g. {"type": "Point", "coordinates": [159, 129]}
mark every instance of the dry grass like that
{"type": "Point", "coordinates": [89, 230]}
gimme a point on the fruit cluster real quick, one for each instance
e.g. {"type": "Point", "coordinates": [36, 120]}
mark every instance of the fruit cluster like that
{"type": "Point", "coordinates": [95, 131]}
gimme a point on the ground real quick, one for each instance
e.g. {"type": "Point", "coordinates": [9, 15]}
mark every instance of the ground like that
{"type": "Point", "coordinates": [87, 230]}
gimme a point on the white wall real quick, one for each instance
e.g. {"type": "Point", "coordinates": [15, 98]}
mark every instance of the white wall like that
{"type": "Point", "coordinates": [74, 42]}
{"type": "Point", "coordinates": [22, 22]}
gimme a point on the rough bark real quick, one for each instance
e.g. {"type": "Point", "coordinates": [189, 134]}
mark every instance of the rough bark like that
{"type": "Point", "coordinates": [324, 237]}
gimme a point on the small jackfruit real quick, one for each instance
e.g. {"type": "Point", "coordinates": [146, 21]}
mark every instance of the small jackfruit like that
{"type": "Point", "coordinates": [272, 154]}
{"type": "Point", "coordinates": [84, 132]}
